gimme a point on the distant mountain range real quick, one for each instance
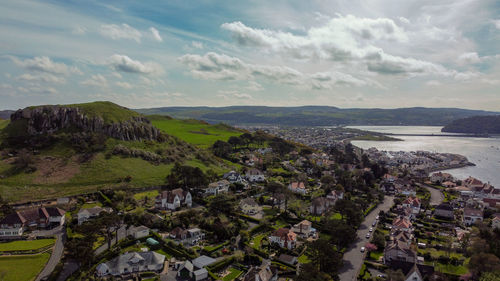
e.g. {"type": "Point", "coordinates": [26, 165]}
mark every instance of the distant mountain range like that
{"type": "Point", "coordinates": [5, 114]}
{"type": "Point", "coordinates": [318, 115]}
{"type": "Point", "coordinates": [475, 125]}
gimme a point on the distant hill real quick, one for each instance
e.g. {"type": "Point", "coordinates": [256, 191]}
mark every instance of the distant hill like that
{"type": "Point", "coordinates": [58, 150]}
{"type": "Point", "coordinates": [5, 114]}
{"type": "Point", "coordinates": [475, 125]}
{"type": "Point", "coordinates": [318, 115]}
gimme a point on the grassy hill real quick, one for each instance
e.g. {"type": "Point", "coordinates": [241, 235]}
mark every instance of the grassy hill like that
{"type": "Point", "coordinates": [475, 125]}
{"type": "Point", "coordinates": [192, 131]}
{"type": "Point", "coordinates": [68, 165]}
{"type": "Point", "coordinates": [3, 123]}
{"type": "Point", "coordinates": [318, 115]}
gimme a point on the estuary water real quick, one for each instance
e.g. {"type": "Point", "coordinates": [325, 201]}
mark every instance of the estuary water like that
{"type": "Point", "coordinates": [484, 152]}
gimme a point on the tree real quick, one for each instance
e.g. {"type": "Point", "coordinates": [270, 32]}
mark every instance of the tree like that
{"type": "Point", "coordinates": [349, 211]}
{"type": "Point", "coordinates": [324, 255]}
{"type": "Point", "coordinates": [223, 204]}
{"type": "Point", "coordinates": [310, 272]}
{"type": "Point", "coordinates": [483, 262]}
{"type": "Point", "coordinates": [395, 275]}
{"type": "Point", "coordinates": [341, 233]}
{"type": "Point", "coordinates": [490, 276]}
{"type": "Point", "coordinates": [274, 187]}
{"type": "Point", "coordinates": [222, 149]}
{"type": "Point", "coordinates": [378, 239]}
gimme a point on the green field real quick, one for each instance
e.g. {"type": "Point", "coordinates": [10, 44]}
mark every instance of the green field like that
{"type": "Point", "coordinates": [26, 245]}
{"type": "Point", "coordinates": [151, 194]}
{"type": "Point", "coordinates": [195, 132]}
{"type": "Point", "coordinates": [233, 274]}
{"type": "Point", "coordinates": [108, 111]}
{"type": "Point", "coordinates": [26, 268]}
{"type": "Point", "coordinates": [3, 123]}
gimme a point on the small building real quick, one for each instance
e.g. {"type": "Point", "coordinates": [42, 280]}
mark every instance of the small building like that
{"type": "Point", "coordinates": [249, 206]}
{"type": "Point", "coordinates": [189, 236]}
{"type": "Point", "coordinates": [495, 222]}
{"type": "Point", "coordinates": [218, 187]}
{"type": "Point", "coordinates": [444, 210]}
{"type": "Point", "coordinates": [131, 263]}
{"type": "Point", "coordinates": [401, 223]}
{"type": "Point", "coordinates": [89, 213]}
{"type": "Point", "coordinates": [255, 175]}
{"type": "Point", "coordinates": [288, 259]}
{"type": "Point", "coordinates": [399, 251]}
{"type": "Point", "coordinates": [234, 177]}
{"type": "Point", "coordinates": [304, 229]}
{"type": "Point", "coordinates": [200, 274]}
{"type": "Point", "coordinates": [320, 205]}
{"type": "Point", "coordinates": [471, 216]}
{"type": "Point", "coordinates": [413, 203]}
{"type": "Point", "coordinates": [284, 237]}
{"type": "Point", "coordinates": [265, 272]}
{"type": "Point", "coordinates": [298, 187]}
{"type": "Point", "coordinates": [202, 261]}
{"type": "Point", "coordinates": [335, 195]}
{"type": "Point", "coordinates": [138, 231]}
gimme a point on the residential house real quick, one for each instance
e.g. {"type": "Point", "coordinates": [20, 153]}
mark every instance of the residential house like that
{"type": "Point", "coordinates": [13, 225]}
{"type": "Point", "coordinates": [335, 195]}
{"type": "Point", "coordinates": [399, 251]}
{"type": "Point", "coordinates": [473, 183]}
{"type": "Point", "coordinates": [298, 187]}
{"type": "Point", "coordinates": [448, 184]}
{"type": "Point", "coordinates": [389, 188]}
{"type": "Point", "coordinates": [173, 199]}
{"type": "Point", "coordinates": [132, 262]}
{"type": "Point", "coordinates": [471, 216]}
{"type": "Point", "coordinates": [265, 272]}
{"type": "Point", "coordinates": [218, 187]}
{"type": "Point", "coordinates": [255, 175]}
{"type": "Point", "coordinates": [234, 177]}
{"type": "Point", "coordinates": [187, 236]}
{"type": "Point", "coordinates": [249, 206]}
{"type": "Point", "coordinates": [444, 210]}
{"type": "Point", "coordinates": [320, 205]}
{"type": "Point", "coordinates": [89, 213]}
{"type": "Point", "coordinates": [284, 237]}
{"type": "Point", "coordinates": [423, 272]}
{"type": "Point", "coordinates": [203, 261]}
{"type": "Point", "coordinates": [495, 222]}
{"type": "Point", "coordinates": [413, 203]}
{"type": "Point", "coordinates": [304, 229]}
{"type": "Point", "coordinates": [138, 231]}
{"type": "Point", "coordinates": [440, 177]}
{"type": "Point", "coordinates": [402, 223]}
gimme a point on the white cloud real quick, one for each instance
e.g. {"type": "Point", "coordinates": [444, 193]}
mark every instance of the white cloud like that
{"type": "Point", "coordinates": [254, 86]}
{"type": "Point", "coordinates": [469, 58]}
{"type": "Point", "coordinates": [44, 64]}
{"type": "Point", "coordinates": [156, 34]}
{"type": "Point", "coordinates": [126, 64]}
{"type": "Point", "coordinates": [79, 30]}
{"type": "Point", "coordinates": [433, 83]}
{"type": "Point", "coordinates": [228, 95]}
{"type": "Point", "coordinates": [96, 80]}
{"type": "Point", "coordinates": [124, 85]}
{"type": "Point", "coordinates": [197, 44]}
{"type": "Point", "coordinates": [213, 66]}
{"type": "Point", "coordinates": [496, 23]}
{"type": "Point", "coordinates": [123, 31]}
{"type": "Point", "coordinates": [42, 77]}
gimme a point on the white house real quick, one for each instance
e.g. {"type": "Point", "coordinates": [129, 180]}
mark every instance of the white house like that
{"type": "Point", "coordinates": [255, 175]}
{"type": "Point", "coordinates": [131, 263]}
{"type": "Point", "coordinates": [89, 213]}
{"type": "Point", "coordinates": [304, 229]}
{"type": "Point", "coordinates": [173, 199]}
{"type": "Point", "coordinates": [298, 187]}
{"type": "Point", "coordinates": [234, 177]}
{"type": "Point", "coordinates": [284, 237]}
{"type": "Point", "coordinates": [249, 206]}
{"type": "Point", "coordinates": [138, 232]}
{"type": "Point", "coordinates": [413, 203]}
{"type": "Point", "coordinates": [13, 225]}
{"type": "Point", "coordinates": [218, 187]}
{"type": "Point", "coordinates": [471, 216]}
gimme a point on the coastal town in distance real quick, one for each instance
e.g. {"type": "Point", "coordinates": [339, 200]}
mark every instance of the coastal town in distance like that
{"type": "Point", "coordinates": [219, 140]}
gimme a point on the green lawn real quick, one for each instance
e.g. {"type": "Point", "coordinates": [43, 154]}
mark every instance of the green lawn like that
{"type": "Point", "coordinates": [436, 253]}
{"type": "Point", "coordinates": [451, 269]}
{"type": "Point", "coordinates": [195, 132]}
{"type": "Point", "coordinates": [90, 205]}
{"type": "Point", "coordinates": [234, 273]}
{"type": "Point", "coordinates": [24, 268]}
{"type": "Point", "coordinates": [26, 245]}
{"type": "Point", "coordinates": [151, 194]}
{"type": "Point", "coordinates": [304, 259]}
{"type": "Point", "coordinates": [257, 238]}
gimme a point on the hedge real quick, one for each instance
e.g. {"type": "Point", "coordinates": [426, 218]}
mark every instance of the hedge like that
{"type": "Point", "coordinates": [249, 218]}
{"type": "Point", "coordinates": [221, 264]}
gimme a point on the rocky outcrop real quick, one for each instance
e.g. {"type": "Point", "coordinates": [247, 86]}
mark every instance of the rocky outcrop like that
{"type": "Point", "coordinates": [51, 119]}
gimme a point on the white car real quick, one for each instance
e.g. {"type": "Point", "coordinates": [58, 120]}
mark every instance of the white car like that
{"type": "Point", "coordinates": [367, 236]}
{"type": "Point", "coordinates": [371, 229]}
{"type": "Point", "coordinates": [362, 249]}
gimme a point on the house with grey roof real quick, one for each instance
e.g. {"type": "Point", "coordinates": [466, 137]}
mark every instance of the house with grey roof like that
{"type": "Point", "coordinates": [89, 213]}
{"type": "Point", "coordinates": [131, 263]}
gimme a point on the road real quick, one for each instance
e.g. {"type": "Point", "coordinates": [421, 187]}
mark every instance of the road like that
{"type": "Point", "coordinates": [57, 253]}
{"type": "Point", "coordinates": [437, 196]}
{"type": "Point", "coordinates": [353, 258]}
{"type": "Point", "coordinates": [122, 233]}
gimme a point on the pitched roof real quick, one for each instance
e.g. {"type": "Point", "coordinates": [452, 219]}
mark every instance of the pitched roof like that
{"type": "Point", "coordinates": [285, 234]}
{"type": "Point", "coordinates": [473, 212]}
{"type": "Point", "coordinates": [249, 201]}
{"type": "Point", "coordinates": [14, 218]}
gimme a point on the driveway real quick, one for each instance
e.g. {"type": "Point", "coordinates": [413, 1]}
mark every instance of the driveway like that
{"type": "Point", "coordinates": [353, 258]}
{"type": "Point", "coordinates": [437, 196]}
{"type": "Point", "coordinates": [57, 251]}
{"type": "Point", "coordinates": [122, 233]}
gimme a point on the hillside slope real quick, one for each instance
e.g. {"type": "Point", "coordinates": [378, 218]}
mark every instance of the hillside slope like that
{"type": "Point", "coordinates": [53, 151]}
{"type": "Point", "coordinates": [318, 115]}
{"type": "Point", "coordinates": [475, 125]}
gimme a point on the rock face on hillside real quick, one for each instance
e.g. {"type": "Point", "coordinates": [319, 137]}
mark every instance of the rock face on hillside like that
{"type": "Point", "coordinates": [50, 119]}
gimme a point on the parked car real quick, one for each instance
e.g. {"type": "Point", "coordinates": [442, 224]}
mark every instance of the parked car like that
{"type": "Point", "coordinates": [371, 229]}
{"type": "Point", "coordinates": [374, 223]}
{"type": "Point", "coordinates": [362, 249]}
{"type": "Point", "coordinates": [367, 235]}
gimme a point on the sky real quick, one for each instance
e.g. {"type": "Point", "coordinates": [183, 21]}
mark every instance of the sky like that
{"type": "Point", "coordinates": [344, 53]}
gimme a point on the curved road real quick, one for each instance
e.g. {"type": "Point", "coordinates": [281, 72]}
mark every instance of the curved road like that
{"type": "Point", "coordinates": [57, 253]}
{"type": "Point", "coordinates": [353, 258]}
{"type": "Point", "coordinates": [437, 196]}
